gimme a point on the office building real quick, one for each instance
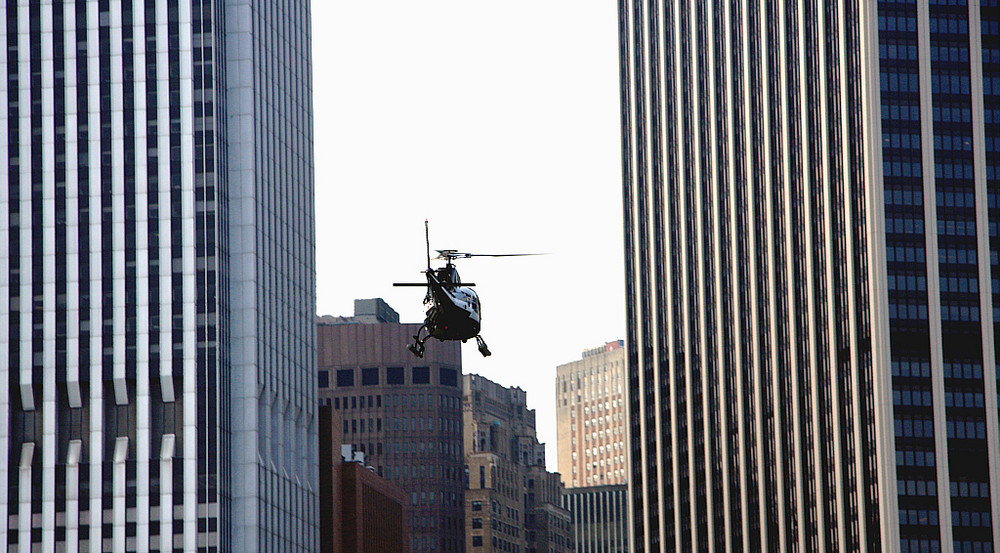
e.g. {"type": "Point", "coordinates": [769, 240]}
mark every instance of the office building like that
{"type": "Point", "coordinates": [591, 424]}
{"type": "Point", "coordinates": [404, 414]}
{"type": "Point", "coordinates": [548, 525]}
{"type": "Point", "coordinates": [157, 349]}
{"type": "Point", "coordinates": [812, 257]}
{"type": "Point", "coordinates": [600, 518]}
{"type": "Point", "coordinates": [360, 511]}
{"type": "Point", "coordinates": [512, 503]}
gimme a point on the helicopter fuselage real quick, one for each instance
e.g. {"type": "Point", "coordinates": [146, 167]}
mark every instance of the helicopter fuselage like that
{"type": "Point", "coordinates": [453, 311]}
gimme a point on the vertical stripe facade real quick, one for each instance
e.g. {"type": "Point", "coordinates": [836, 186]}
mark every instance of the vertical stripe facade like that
{"type": "Point", "coordinates": [600, 518]}
{"type": "Point", "coordinates": [832, 288]}
{"type": "Point", "coordinates": [116, 317]}
{"type": "Point", "coordinates": [759, 339]}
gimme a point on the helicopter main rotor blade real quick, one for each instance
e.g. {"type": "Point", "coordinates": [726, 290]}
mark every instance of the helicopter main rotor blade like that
{"type": "Point", "coordinates": [466, 284]}
{"type": "Point", "coordinates": [452, 254]}
{"type": "Point", "coordinates": [502, 254]}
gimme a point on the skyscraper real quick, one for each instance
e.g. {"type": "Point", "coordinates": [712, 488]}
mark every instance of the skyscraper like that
{"type": "Point", "coordinates": [403, 413]}
{"type": "Point", "coordinates": [591, 429]}
{"type": "Point", "coordinates": [157, 295]}
{"type": "Point", "coordinates": [812, 248]}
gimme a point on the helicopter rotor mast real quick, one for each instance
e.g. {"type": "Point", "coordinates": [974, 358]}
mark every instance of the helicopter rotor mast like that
{"type": "Point", "coordinates": [427, 238]}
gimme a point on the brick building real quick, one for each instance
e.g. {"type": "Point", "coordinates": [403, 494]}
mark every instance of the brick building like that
{"type": "Point", "coordinates": [360, 511]}
{"type": "Point", "coordinates": [403, 413]}
{"type": "Point", "coordinates": [513, 503]}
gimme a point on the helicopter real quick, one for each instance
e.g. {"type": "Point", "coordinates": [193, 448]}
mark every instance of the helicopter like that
{"type": "Point", "coordinates": [452, 307]}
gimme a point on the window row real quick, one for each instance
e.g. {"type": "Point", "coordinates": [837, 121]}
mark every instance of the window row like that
{"type": "Point", "coordinates": [956, 227]}
{"type": "Point", "coordinates": [955, 198]}
{"type": "Point", "coordinates": [393, 400]}
{"type": "Point", "coordinates": [374, 376]}
{"type": "Point", "coordinates": [914, 428]}
{"type": "Point", "coordinates": [950, 53]}
{"type": "Point", "coordinates": [914, 458]}
{"type": "Point", "coordinates": [960, 369]}
{"type": "Point", "coordinates": [952, 24]}
{"type": "Point", "coordinates": [901, 169]}
{"type": "Point", "coordinates": [401, 424]}
{"type": "Point", "coordinates": [957, 142]}
{"type": "Point", "coordinates": [920, 397]}
{"type": "Point", "coordinates": [960, 313]}
{"type": "Point", "coordinates": [907, 310]}
{"type": "Point", "coordinates": [966, 429]}
{"type": "Point", "coordinates": [905, 112]}
{"type": "Point", "coordinates": [911, 254]}
{"type": "Point", "coordinates": [964, 399]}
{"type": "Point", "coordinates": [949, 113]}
{"type": "Point", "coordinates": [897, 23]}
{"type": "Point", "coordinates": [963, 256]}
{"type": "Point", "coordinates": [963, 546]}
{"type": "Point", "coordinates": [970, 489]}
{"type": "Point", "coordinates": [974, 519]}
{"type": "Point", "coordinates": [961, 285]}
{"type": "Point", "coordinates": [905, 196]}
{"type": "Point", "coordinates": [918, 517]}
{"type": "Point", "coordinates": [953, 169]}
{"type": "Point", "coordinates": [897, 51]}
{"type": "Point", "coordinates": [900, 81]}
{"type": "Point", "coordinates": [901, 224]}
{"type": "Point", "coordinates": [907, 283]}
{"type": "Point", "coordinates": [952, 83]}
{"type": "Point", "coordinates": [902, 140]}
{"type": "Point", "coordinates": [916, 487]}
{"type": "Point", "coordinates": [919, 546]}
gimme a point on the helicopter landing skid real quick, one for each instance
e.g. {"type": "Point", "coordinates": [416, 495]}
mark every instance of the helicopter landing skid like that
{"type": "Point", "coordinates": [482, 346]}
{"type": "Point", "coordinates": [417, 347]}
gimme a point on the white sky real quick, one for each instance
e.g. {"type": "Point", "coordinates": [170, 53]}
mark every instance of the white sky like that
{"type": "Point", "coordinates": [498, 122]}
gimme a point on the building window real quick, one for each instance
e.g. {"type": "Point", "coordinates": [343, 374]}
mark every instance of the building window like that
{"type": "Point", "coordinates": [477, 505]}
{"type": "Point", "coordinates": [477, 523]}
{"type": "Point", "coordinates": [449, 377]}
{"type": "Point", "coordinates": [369, 377]}
{"type": "Point", "coordinates": [477, 541]}
{"type": "Point", "coordinates": [345, 378]}
{"type": "Point", "coordinates": [394, 375]}
{"type": "Point", "coordinates": [421, 375]}
{"type": "Point", "coordinates": [324, 379]}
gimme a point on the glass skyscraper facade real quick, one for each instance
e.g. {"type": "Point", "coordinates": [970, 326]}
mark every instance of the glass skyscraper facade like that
{"type": "Point", "coordinates": [812, 222]}
{"type": "Point", "coordinates": [157, 296]}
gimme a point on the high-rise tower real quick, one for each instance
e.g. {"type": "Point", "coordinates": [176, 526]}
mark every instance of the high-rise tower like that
{"type": "Point", "coordinates": [157, 295]}
{"type": "Point", "coordinates": [404, 414]}
{"type": "Point", "coordinates": [813, 274]}
{"type": "Point", "coordinates": [591, 417]}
